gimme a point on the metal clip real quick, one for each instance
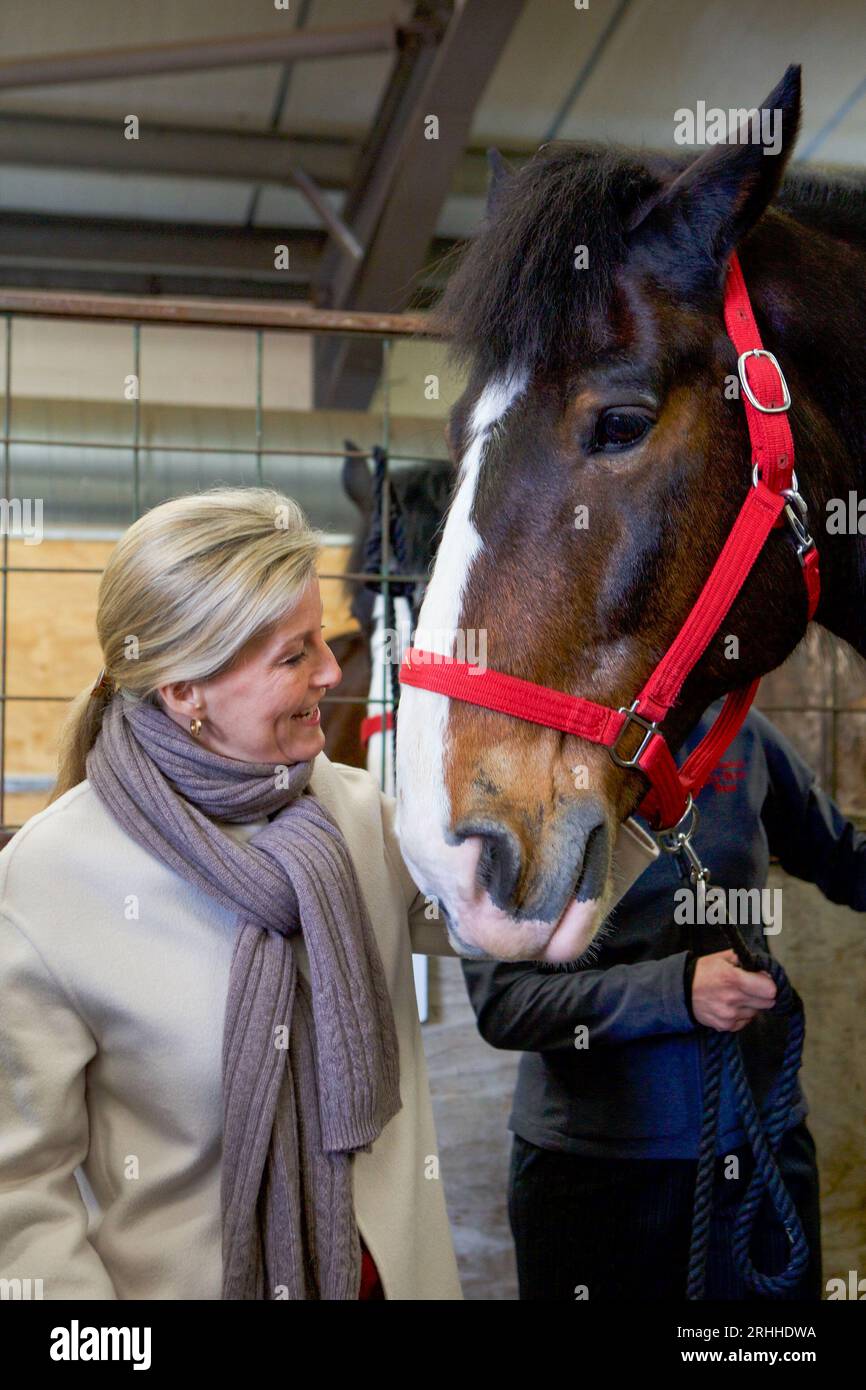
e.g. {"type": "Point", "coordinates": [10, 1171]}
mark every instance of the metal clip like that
{"type": "Point", "coordinates": [799, 524]}
{"type": "Point", "coordinates": [796, 514]}
{"type": "Point", "coordinates": [675, 840]}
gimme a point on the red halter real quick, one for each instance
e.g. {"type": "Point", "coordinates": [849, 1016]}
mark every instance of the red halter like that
{"type": "Point", "coordinates": [773, 493]}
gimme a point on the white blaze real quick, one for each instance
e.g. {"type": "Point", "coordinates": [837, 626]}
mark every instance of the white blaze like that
{"type": "Point", "coordinates": [423, 807]}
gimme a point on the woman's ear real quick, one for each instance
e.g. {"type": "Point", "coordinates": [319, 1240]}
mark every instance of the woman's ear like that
{"type": "Point", "coordinates": [709, 206]}
{"type": "Point", "coordinates": [181, 698]}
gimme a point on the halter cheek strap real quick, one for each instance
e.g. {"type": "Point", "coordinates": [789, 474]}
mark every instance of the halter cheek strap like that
{"type": "Point", "coordinates": [772, 500]}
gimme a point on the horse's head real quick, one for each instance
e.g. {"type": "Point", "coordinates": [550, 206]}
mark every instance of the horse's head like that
{"type": "Point", "coordinates": [602, 460]}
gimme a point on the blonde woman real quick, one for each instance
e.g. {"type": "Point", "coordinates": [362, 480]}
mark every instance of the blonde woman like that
{"type": "Point", "coordinates": [213, 1084]}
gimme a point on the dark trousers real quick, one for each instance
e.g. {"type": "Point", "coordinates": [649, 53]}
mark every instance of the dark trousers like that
{"type": "Point", "coordinates": [621, 1226]}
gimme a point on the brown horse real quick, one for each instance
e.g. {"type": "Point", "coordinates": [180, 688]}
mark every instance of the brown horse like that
{"type": "Point", "coordinates": [603, 456]}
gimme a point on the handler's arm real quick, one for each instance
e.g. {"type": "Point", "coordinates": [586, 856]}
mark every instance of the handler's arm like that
{"type": "Point", "coordinates": [523, 1008]}
{"type": "Point", "coordinates": [813, 840]}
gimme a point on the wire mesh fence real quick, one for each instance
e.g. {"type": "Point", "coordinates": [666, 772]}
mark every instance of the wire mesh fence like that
{"type": "Point", "coordinates": [111, 405]}
{"type": "Point", "coordinates": [86, 449]}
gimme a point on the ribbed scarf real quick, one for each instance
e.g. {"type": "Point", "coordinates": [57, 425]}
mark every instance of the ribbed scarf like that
{"type": "Point", "coordinates": [310, 1075]}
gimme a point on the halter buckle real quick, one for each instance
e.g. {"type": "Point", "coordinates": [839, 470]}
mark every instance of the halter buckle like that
{"type": "Point", "coordinates": [741, 370]}
{"type": "Point", "coordinates": [631, 718]}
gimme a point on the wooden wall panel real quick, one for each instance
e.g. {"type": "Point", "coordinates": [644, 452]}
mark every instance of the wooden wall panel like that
{"type": "Point", "coordinates": [52, 648]}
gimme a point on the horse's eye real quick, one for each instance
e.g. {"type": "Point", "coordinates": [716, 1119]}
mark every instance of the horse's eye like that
{"type": "Point", "coordinates": [619, 429]}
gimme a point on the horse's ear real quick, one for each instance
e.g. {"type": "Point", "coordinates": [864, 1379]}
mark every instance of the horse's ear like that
{"type": "Point", "coordinates": [501, 173]}
{"type": "Point", "coordinates": [719, 197]}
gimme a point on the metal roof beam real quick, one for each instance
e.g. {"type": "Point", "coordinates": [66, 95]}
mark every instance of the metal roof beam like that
{"type": "Point", "coordinates": [191, 55]}
{"type": "Point", "coordinates": [56, 142]}
{"type": "Point", "coordinates": [402, 180]}
{"type": "Point", "coordinates": [118, 243]}
{"type": "Point", "coordinates": [36, 249]}
{"type": "Point", "coordinates": [241, 156]}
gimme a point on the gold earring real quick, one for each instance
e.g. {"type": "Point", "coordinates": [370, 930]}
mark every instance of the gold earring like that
{"type": "Point", "coordinates": [195, 727]}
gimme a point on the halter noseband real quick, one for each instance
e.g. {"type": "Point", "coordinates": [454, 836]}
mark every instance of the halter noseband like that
{"type": "Point", "coordinates": [668, 803]}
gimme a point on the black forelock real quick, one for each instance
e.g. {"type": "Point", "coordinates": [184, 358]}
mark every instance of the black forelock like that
{"type": "Point", "coordinates": [516, 300]}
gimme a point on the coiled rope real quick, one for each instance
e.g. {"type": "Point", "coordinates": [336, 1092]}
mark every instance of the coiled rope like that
{"type": "Point", "coordinates": [764, 1133]}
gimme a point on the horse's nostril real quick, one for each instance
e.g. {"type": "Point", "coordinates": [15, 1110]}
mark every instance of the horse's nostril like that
{"type": "Point", "coordinates": [499, 866]}
{"type": "Point", "coordinates": [498, 869]}
{"type": "Point", "coordinates": [594, 866]}
{"type": "Point", "coordinates": [570, 861]}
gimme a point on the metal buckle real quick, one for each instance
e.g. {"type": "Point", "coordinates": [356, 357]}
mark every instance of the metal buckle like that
{"type": "Point", "coordinates": [794, 484]}
{"type": "Point", "coordinates": [675, 840]}
{"type": "Point", "coordinates": [799, 524]}
{"type": "Point", "coordinates": [741, 370]}
{"type": "Point", "coordinates": [795, 504]}
{"type": "Point", "coordinates": [632, 718]}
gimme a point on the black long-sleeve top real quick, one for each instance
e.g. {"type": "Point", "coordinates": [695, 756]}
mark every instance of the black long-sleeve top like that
{"type": "Point", "coordinates": [633, 1085]}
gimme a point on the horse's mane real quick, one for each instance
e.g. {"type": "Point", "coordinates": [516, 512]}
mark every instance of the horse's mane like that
{"type": "Point", "coordinates": [831, 201]}
{"type": "Point", "coordinates": [515, 300]}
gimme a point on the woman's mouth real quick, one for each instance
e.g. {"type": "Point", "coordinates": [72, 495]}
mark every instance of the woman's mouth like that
{"type": "Point", "coordinates": [308, 716]}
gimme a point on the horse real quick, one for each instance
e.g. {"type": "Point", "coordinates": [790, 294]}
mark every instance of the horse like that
{"type": "Point", "coordinates": [418, 495]}
{"type": "Point", "coordinates": [602, 457]}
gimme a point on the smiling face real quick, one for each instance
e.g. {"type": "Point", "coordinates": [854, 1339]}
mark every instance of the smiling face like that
{"type": "Point", "coordinates": [250, 712]}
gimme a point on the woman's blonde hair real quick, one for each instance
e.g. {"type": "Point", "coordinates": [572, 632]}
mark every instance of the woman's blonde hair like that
{"type": "Point", "coordinates": [185, 588]}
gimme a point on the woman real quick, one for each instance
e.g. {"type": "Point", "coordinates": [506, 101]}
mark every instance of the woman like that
{"type": "Point", "coordinates": [213, 1082]}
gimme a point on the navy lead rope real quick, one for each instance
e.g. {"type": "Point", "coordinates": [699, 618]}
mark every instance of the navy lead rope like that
{"type": "Point", "coordinates": [723, 1050]}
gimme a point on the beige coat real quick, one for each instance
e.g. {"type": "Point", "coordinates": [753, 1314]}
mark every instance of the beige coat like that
{"type": "Point", "coordinates": [113, 979]}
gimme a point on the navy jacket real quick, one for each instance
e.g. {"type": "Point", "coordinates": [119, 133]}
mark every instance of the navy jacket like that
{"type": "Point", "coordinates": [636, 1090]}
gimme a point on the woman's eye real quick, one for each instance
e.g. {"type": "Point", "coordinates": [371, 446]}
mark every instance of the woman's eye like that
{"type": "Point", "coordinates": [299, 656]}
{"type": "Point", "coordinates": [619, 429]}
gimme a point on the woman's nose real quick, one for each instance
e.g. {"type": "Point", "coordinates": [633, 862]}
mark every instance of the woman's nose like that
{"type": "Point", "coordinates": [330, 674]}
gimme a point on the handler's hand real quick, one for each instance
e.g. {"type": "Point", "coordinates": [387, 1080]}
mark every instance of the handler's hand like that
{"type": "Point", "coordinates": [726, 997]}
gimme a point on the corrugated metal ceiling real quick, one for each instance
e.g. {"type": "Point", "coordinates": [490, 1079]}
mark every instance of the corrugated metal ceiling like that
{"type": "Point", "coordinates": [616, 70]}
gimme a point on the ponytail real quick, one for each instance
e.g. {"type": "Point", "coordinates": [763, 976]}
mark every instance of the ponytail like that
{"type": "Point", "coordinates": [78, 734]}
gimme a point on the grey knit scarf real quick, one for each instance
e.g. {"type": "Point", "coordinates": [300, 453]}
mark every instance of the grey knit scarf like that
{"type": "Point", "coordinates": [310, 1076]}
